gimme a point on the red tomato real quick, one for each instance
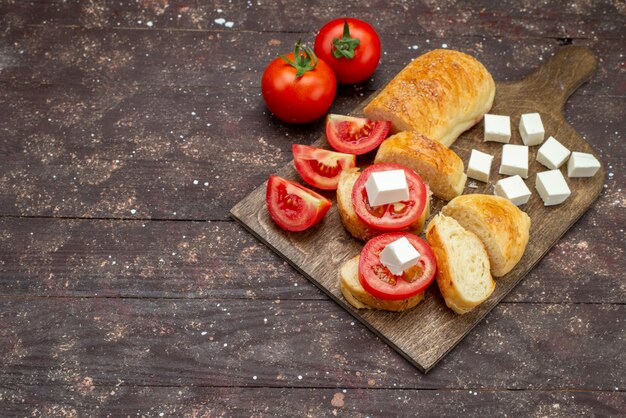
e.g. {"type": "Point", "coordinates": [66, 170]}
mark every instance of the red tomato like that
{"type": "Point", "coordinates": [392, 216]}
{"type": "Point", "coordinates": [298, 87]}
{"type": "Point", "coordinates": [351, 47]}
{"type": "Point", "coordinates": [320, 167]}
{"type": "Point", "coordinates": [381, 283]}
{"type": "Point", "coordinates": [355, 135]}
{"type": "Point", "coordinates": [292, 206]}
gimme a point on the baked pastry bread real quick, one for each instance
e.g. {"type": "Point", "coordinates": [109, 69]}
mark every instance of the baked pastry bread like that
{"type": "Point", "coordinates": [500, 225]}
{"type": "Point", "coordinates": [441, 168]}
{"type": "Point", "coordinates": [350, 219]}
{"type": "Point", "coordinates": [439, 94]}
{"type": "Point", "coordinates": [463, 273]}
{"type": "Point", "coordinates": [358, 297]}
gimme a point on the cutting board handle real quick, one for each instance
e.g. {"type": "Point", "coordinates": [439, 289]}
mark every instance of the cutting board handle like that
{"type": "Point", "coordinates": [562, 74]}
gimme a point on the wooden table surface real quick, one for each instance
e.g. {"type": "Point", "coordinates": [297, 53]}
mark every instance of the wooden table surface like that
{"type": "Point", "coordinates": [128, 129]}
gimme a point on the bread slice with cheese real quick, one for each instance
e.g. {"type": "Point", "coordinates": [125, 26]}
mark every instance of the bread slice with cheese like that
{"type": "Point", "coordinates": [503, 228]}
{"type": "Point", "coordinates": [351, 220]}
{"type": "Point", "coordinates": [463, 272]}
{"type": "Point", "coordinates": [358, 297]}
{"type": "Point", "coordinates": [441, 168]}
{"type": "Point", "coordinates": [439, 94]}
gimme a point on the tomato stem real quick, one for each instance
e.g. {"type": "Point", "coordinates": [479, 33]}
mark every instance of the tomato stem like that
{"type": "Point", "coordinates": [345, 46]}
{"type": "Point", "coordinates": [304, 59]}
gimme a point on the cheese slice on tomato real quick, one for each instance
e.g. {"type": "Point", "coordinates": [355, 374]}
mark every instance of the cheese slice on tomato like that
{"type": "Point", "coordinates": [399, 256]}
{"type": "Point", "coordinates": [384, 187]}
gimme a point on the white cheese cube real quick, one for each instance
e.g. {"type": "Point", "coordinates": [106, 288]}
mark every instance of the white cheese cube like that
{"type": "Point", "coordinates": [531, 129]}
{"type": "Point", "coordinates": [581, 164]}
{"type": "Point", "coordinates": [497, 128]}
{"type": "Point", "coordinates": [514, 160]}
{"type": "Point", "coordinates": [399, 256]}
{"type": "Point", "coordinates": [514, 189]}
{"type": "Point", "coordinates": [479, 166]}
{"type": "Point", "coordinates": [552, 187]}
{"type": "Point", "coordinates": [552, 154]}
{"type": "Point", "coordinates": [385, 187]}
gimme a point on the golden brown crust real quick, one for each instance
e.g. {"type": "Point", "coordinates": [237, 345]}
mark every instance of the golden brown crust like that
{"type": "Point", "coordinates": [441, 168]}
{"type": "Point", "coordinates": [439, 94]}
{"type": "Point", "coordinates": [355, 226]}
{"type": "Point", "coordinates": [358, 297]}
{"type": "Point", "coordinates": [502, 226]}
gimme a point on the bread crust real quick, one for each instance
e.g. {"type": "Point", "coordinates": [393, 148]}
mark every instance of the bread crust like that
{"type": "Point", "coordinates": [353, 224]}
{"type": "Point", "coordinates": [500, 225]}
{"type": "Point", "coordinates": [441, 168]}
{"type": "Point", "coordinates": [358, 297]}
{"type": "Point", "coordinates": [445, 276]}
{"type": "Point", "coordinates": [439, 94]}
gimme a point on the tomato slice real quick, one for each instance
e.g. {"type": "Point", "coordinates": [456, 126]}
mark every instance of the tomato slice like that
{"type": "Point", "coordinates": [292, 206]}
{"type": "Point", "coordinates": [321, 167]}
{"type": "Point", "coordinates": [355, 135]}
{"type": "Point", "coordinates": [392, 216]}
{"type": "Point", "coordinates": [377, 280]}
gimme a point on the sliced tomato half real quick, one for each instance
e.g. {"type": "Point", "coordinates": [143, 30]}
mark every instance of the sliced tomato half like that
{"type": "Point", "coordinates": [381, 283]}
{"type": "Point", "coordinates": [392, 216]}
{"type": "Point", "coordinates": [355, 135]}
{"type": "Point", "coordinates": [321, 167]}
{"type": "Point", "coordinates": [292, 206]}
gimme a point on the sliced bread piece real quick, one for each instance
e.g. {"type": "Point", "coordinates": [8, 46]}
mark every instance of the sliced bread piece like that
{"type": "Point", "coordinates": [500, 225]}
{"type": "Point", "coordinates": [463, 274]}
{"type": "Point", "coordinates": [350, 219]}
{"type": "Point", "coordinates": [441, 168]}
{"type": "Point", "coordinates": [358, 297]}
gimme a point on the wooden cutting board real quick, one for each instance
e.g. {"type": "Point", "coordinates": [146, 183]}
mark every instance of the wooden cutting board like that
{"type": "Point", "coordinates": [425, 334]}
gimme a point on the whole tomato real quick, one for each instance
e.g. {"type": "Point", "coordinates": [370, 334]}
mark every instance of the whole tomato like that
{"type": "Point", "coordinates": [298, 87]}
{"type": "Point", "coordinates": [351, 47]}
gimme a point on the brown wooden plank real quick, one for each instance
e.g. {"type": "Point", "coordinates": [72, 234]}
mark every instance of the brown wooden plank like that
{"type": "Point", "coordinates": [509, 18]}
{"type": "Point", "coordinates": [44, 175]}
{"type": "Point", "coordinates": [136, 92]}
{"type": "Point", "coordinates": [587, 255]}
{"type": "Point", "coordinates": [92, 59]}
{"type": "Point", "coordinates": [48, 257]}
{"type": "Point", "coordinates": [46, 171]}
{"type": "Point", "coordinates": [425, 334]}
{"type": "Point", "coordinates": [306, 344]}
{"type": "Point", "coordinates": [54, 64]}
{"type": "Point", "coordinates": [139, 259]}
{"type": "Point", "coordinates": [84, 397]}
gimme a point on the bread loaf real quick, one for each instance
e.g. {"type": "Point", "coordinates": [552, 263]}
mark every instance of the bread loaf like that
{"type": "Point", "coordinates": [502, 227]}
{"type": "Point", "coordinates": [439, 94]}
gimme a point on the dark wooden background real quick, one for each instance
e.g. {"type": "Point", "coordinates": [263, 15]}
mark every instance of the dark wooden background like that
{"type": "Point", "coordinates": [128, 129]}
